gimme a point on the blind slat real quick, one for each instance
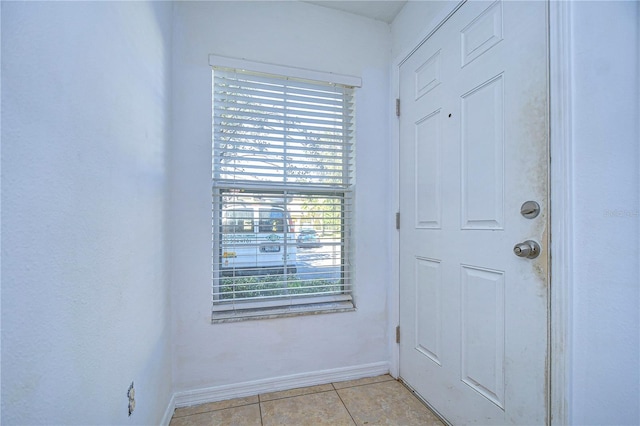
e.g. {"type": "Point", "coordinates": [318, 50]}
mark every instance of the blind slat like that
{"type": "Point", "coordinates": [276, 107]}
{"type": "Point", "coordinates": [233, 142]}
{"type": "Point", "coordinates": [292, 95]}
{"type": "Point", "coordinates": [286, 131]}
{"type": "Point", "coordinates": [253, 117]}
{"type": "Point", "coordinates": [316, 86]}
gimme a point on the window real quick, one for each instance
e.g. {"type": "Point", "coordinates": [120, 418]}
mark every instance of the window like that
{"type": "Point", "coordinates": [282, 179]}
{"type": "Point", "coordinates": [237, 221]}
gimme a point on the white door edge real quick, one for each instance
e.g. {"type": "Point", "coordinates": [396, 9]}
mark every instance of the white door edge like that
{"type": "Point", "coordinates": [394, 155]}
{"type": "Point", "coordinates": [561, 211]}
{"type": "Point", "coordinates": [561, 189]}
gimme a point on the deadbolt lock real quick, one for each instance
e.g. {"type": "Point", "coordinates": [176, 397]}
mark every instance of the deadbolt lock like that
{"type": "Point", "coordinates": [529, 249]}
{"type": "Point", "coordinates": [530, 209]}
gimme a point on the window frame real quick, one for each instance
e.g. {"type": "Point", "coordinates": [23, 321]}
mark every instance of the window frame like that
{"type": "Point", "coordinates": [264, 308]}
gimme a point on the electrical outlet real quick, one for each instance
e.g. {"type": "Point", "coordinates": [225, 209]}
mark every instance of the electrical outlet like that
{"type": "Point", "coordinates": [131, 393]}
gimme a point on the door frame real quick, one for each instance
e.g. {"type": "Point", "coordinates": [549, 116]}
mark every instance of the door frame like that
{"type": "Point", "coordinates": [561, 203]}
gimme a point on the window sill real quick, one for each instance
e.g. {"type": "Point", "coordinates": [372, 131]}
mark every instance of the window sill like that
{"type": "Point", "coordinates": [281, 312]}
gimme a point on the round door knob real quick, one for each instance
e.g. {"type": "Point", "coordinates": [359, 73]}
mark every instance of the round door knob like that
{"type": "Point", "coordinates": [529, 249]}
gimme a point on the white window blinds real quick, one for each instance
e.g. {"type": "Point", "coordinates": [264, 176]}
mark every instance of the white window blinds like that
{"type": "Point", "coordinates": [282, 194]}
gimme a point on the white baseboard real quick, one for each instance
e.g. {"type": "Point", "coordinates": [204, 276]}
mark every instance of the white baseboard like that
{"type": "Point", "coordinates": [239, 390]}
{"type": "Point", "coordinates": [168, 414]}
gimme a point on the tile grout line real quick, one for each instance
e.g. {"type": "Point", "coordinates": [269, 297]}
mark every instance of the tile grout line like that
{"type": "Point", "coordinates": [212, 411]}
{"type": "Point", "coordinates": [345, 406]}
{"type": "Point", "coordinates": [303, 394]}
{"type": "Point", "coordinates": [366, 384]}
{"type": "Point", "coordinates": [295, 396]}
{"type": "Point", "coordinates": [334, 390]}
{"type": "Point", "coordinates": [260, 409]}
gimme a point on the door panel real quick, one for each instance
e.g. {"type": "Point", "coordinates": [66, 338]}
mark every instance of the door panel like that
{"type": "Point", "coordinates": [473, 148]}
{"type": "Point", "coordinates": [428, 312]}
{"type": "Point", "coordinates": [483, 335]}
{"type": "Point", "coordinates": [482, 131]}
{"type": "Point", "coordinates": [428, 174]}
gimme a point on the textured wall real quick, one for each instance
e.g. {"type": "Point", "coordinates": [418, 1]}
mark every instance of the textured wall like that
{"type": "Point", "coordinates": [606, 296]}
{"type": "Point", "coordinates": [85, 130]}
{"type": "Point", "coordinates": [292, 34]}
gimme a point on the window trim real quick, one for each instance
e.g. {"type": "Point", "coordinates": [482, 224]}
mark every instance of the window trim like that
{"type": "Point", "coordinates": [257, 309]}
{"type": "Point", "coordinates": [302, 73]}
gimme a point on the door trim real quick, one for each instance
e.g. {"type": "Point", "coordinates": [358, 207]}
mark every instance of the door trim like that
{"type": "Point", "coordinates": [560, 212]}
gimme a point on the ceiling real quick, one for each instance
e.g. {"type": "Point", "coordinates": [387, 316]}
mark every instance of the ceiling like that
{"type": "Point", "coordinates": [381, 10]}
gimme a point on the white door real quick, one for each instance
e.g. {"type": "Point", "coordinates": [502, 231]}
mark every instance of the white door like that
{"type": "Point", "coordinates": [473, 150]}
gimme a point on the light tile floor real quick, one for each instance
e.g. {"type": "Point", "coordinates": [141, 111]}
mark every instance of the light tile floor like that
{"type": "Point", "coordinates": [377, 400]}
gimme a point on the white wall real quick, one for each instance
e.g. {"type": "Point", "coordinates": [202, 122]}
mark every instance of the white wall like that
{"type": "Point", "coordinates": [292, 34]}
{"type": "Point", "coordinates": [606, 140]}
{"type": "Point", "coordinates": [85, 130]}
{"type": "Point", "coordinates": [604, 370]}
